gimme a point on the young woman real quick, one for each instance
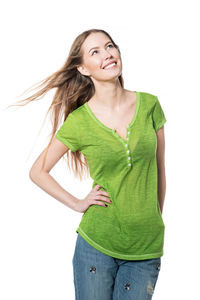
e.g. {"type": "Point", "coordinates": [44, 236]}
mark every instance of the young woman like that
{"type": "Point", "coordinates": [118, 136]}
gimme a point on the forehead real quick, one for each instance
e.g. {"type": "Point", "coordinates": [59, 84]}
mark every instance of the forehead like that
{"type": "Point", "coordinates": [97, 39]}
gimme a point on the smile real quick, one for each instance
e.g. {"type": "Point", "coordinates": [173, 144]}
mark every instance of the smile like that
{"type": "Point", "coordinates": [110, 66]}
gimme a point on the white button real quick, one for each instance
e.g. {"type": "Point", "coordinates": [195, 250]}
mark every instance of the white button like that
{"type": "Point", "coordinates": [128, 151]}
{"type": "Point", "coordinates": [129, 157]}
{"type": "Point", "coordinates": [129, 165]}
{"type": "Point", "coordinates": [128, 132]}
{"type": "Point", "coordinates": [126, 145]}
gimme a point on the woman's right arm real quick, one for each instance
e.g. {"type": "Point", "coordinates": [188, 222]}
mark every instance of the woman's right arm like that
{"type": "Point", "coordinates": [41, 177]}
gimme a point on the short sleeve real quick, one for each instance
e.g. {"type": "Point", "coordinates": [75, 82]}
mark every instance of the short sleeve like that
{"type": "Point", "coordinates": [158, 115]}
{"type": "Point", "coordinates": [68, 133]}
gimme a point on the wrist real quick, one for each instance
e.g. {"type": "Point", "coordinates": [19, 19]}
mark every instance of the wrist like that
{"type": "Point", "coordinates": [75, 201]}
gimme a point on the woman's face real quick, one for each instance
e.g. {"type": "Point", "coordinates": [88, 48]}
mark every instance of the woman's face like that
{"type": "Point", "coordinates": [98, 51]}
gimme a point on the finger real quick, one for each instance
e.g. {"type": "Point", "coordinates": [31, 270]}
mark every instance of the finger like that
{"type": "Point", "coordinates": [103, 198]}
{"type": "Point", "coordinates": [97, 187]}
{"type": "Point", "coordinates": [104, 193]}
{"type": "Point", "coordinates": [100, 203]}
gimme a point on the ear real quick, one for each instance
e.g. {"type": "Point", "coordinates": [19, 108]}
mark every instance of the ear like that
{"type": "Point", "coordinates": [83, 70]}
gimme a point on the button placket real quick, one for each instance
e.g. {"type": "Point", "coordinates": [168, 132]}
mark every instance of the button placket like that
{"type": "Point", "coordinates": [126, 145]}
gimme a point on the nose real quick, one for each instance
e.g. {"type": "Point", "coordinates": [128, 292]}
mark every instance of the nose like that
{"type": "Point", "coordinates": [106, 54]}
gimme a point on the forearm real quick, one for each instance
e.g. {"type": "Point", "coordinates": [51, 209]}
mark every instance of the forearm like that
{"type": "Point", "coordinates": [47, 183]}
{"type": "Point", "coordinates": [161, 187]}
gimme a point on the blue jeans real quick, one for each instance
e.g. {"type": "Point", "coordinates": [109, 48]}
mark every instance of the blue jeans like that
{"type": "Point", "coordinates": [98, 276]}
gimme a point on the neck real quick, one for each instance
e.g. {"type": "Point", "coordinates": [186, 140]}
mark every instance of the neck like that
{"type": "Point", "coordinates": [110, 95]}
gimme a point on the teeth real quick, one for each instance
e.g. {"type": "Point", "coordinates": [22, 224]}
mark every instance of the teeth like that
{"type": "Point", "coordinates": [110, 66]}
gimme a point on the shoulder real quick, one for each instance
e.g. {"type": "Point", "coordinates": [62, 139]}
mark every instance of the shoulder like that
{"type": "Point", "coordinates": [148, 97]}
{"type": "Point", "coordinates": [148, 100]}
{"type": "Point", "coordinates": [78, 112]}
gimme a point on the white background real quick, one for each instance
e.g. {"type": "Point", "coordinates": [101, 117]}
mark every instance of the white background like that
{"type": "Point", "coordinates": [159, 43]}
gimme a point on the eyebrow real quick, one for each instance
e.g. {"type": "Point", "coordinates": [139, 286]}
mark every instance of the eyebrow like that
{"type": "Point", "coordinates": [98, 47]}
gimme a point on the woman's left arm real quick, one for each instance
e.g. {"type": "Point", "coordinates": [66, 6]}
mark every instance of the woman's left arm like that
{"type": "Point", "coordinates": [160, 154]}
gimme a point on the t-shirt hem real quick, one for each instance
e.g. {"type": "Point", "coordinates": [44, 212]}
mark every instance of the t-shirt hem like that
{"type": "Point", "coordinates": [161, 124]}
{"type": "Point", "coordinates": [115, 254]}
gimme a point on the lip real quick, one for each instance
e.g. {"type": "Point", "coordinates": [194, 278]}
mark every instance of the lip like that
{"type": "Point", "coordinates": [111, 62]}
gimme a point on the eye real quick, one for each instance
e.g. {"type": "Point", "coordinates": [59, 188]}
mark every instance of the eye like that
{"type": "Point", "coordinates": [94, 51]}
{"type": "Point", "coordinates": [107, 46]}
{"type": "Point", "coordinates": [110, 45]}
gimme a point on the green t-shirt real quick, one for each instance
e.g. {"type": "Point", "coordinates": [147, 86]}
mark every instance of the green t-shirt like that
{"type": "Point", "coordinates": [131, 227]}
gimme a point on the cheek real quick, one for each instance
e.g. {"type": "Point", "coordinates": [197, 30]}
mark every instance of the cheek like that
{"type": "Point", "coordinates": [95, 65]}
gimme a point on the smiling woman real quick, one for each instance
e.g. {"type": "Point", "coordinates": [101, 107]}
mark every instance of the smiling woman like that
{"type": "Point", "coordinates": [117, 136]}
{"type": "Point", "coordinates": [94, 60]}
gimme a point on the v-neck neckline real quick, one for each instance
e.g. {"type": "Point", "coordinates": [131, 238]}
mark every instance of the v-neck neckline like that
{"type": "Point", "coordinates": [111, 129]}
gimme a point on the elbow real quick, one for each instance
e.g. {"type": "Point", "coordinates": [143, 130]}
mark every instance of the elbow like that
{"type": "Point", "coordinates": [31, 174]}
{"type": "Point", "coordinates": [35, 174]}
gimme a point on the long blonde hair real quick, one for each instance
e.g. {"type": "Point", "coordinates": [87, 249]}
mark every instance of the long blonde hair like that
{"type": "Point", "coordinates": [72, 90]}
